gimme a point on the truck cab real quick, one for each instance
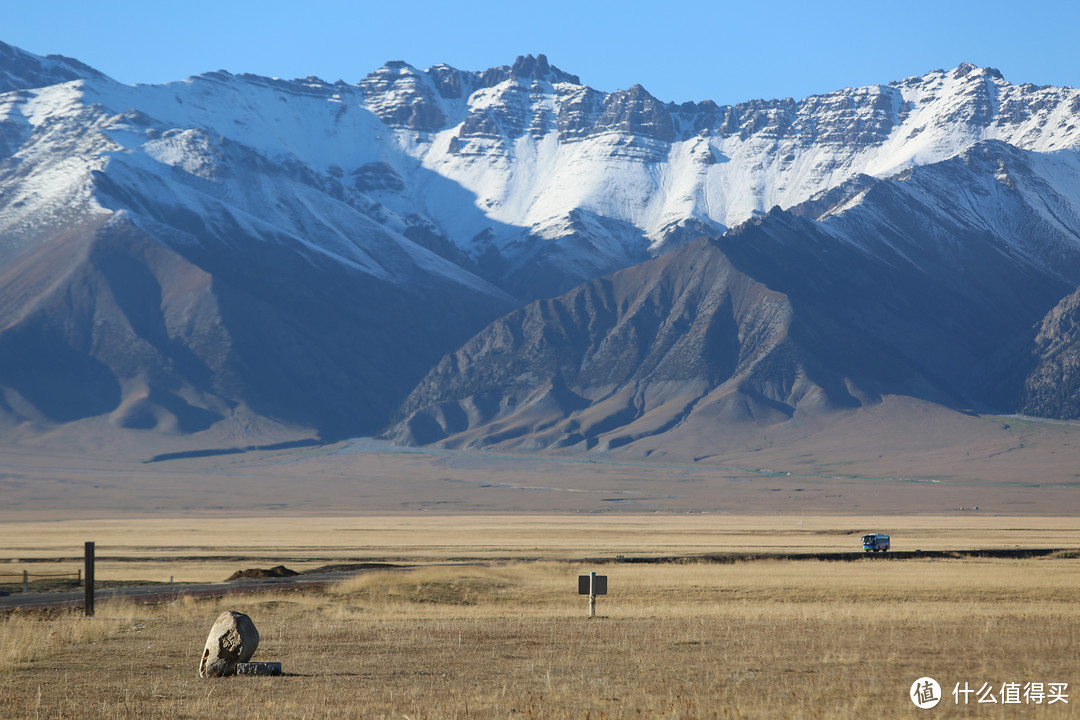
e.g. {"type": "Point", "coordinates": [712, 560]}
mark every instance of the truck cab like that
{"type": "Point", "coordinates": [875, 542]}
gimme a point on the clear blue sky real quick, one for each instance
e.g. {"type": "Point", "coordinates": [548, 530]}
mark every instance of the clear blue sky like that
{"type": "Point", "coordinates": [679, 50]}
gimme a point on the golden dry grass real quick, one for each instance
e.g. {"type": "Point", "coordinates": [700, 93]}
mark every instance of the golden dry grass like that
{"type": "Point", "coordinates": [776, 639]}
{"type": "Point", "coordinates": [209, 550]}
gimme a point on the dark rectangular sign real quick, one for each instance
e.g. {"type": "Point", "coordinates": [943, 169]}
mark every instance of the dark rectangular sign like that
{"type": "Point", "coordinates": [599, 585]}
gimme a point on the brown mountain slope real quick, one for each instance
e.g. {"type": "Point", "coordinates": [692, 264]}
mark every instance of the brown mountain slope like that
{"type": "Point", "coordinates": [108, 321]}
{"type": "Point", "coordinates": [905, 288]}
{"type": "Point", "coordinates": [624, 357]}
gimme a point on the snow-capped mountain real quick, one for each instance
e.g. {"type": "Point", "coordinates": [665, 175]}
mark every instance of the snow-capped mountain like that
{"type": "Point", "coordinates": [541, 152]}
{"type": "Point", "coordinates": [926, 285]}
{"type": "Point", "coordinates": [241, 246]}
{"type": "Point", "coordinates": [518, 169]}
{"type": "Point", "coordinates": [20, 70]}
{"type": "Point", "coordinates": [573, 174]}
{"type": "Point", "coordinates": [167, 276]}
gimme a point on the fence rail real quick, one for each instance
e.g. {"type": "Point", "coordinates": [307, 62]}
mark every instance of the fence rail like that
{"type": "Point", "coordinates": [26, 577]}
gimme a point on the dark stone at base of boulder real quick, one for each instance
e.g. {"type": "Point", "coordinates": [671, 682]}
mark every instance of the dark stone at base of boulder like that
{"type": "Point", "coordinates": [258, 668]}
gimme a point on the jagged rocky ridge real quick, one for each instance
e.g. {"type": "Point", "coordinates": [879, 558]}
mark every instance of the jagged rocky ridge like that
{"type": "Point", "coordinates": [1052, 386]}
{"type": "Point", "coordinates": [235, 247]}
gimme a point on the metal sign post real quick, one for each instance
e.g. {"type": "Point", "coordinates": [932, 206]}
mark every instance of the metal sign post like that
{"type": "Point", "coordinates": [592, 585]}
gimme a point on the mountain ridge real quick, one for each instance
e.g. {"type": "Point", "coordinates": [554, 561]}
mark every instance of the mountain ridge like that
{"type": "Point", "coordinates": [327, 243]}
{"type": "Point", "coordinates": [868, 303]}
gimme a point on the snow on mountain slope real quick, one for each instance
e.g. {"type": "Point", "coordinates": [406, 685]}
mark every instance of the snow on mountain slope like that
{"type": "Point", "coordinates": [629, 158]}
{"type": "Point", "coordinates": [926, 285]}
{"type": "Point", "coordinates": [534, 181]}
{"type": "Point", "coordinates": [271, 169]}
{"type": "Point", "coordinates": [660, 168]}
{"type": "Point", "coordinates": [20, 70]}
{"type": "Point", "coordinates": [420, 205]}
{"type": "Point", "coordinates": [175, 276]}
{"type": "Point", "coordinates": [1026, 204]}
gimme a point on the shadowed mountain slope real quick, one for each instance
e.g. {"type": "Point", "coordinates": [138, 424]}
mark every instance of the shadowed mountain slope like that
{"type": "Point", "coordinates": [906, 288]}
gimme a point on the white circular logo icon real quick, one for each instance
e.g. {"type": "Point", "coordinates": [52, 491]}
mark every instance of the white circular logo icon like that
{"type": "Point", "coordinates": [925, 693]}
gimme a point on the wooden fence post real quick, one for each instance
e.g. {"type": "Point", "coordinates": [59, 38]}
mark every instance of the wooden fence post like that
{"type": "Point", "coordinates": [88, 589]}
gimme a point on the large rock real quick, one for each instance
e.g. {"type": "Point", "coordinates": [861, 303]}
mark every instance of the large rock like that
{"type": "Point", "coordinates": [233, 639]}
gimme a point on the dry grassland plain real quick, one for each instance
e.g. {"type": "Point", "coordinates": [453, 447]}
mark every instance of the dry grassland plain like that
{"type": "Point", "coordinates": [486, 623]}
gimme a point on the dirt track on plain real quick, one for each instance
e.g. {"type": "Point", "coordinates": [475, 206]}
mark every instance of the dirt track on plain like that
{"type": "Point", "coordinates": [156, 594]}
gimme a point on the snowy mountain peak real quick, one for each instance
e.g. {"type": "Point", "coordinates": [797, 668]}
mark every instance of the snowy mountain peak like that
{"type": "Point", "coordinates": [20, 70]}
{"type": "Point", "coordinates": [518, 173]}
{"type": "Point", "coordinates": [526, 67]}
{"type": "Point", "coordinates": [964, 69]}
{"type": "Point", "coordinates": [402, 97]}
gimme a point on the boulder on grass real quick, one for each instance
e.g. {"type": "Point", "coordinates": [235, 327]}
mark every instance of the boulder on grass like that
{"type": "Point", "coordinates": [233, 639]}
